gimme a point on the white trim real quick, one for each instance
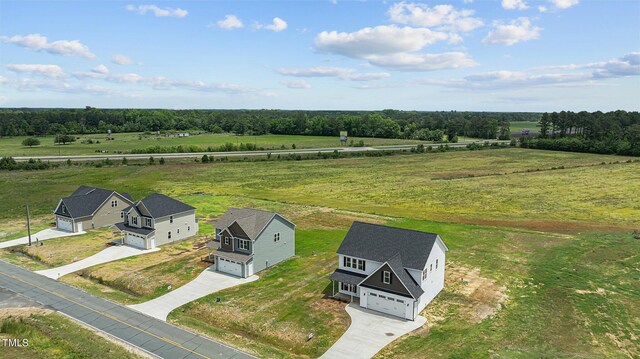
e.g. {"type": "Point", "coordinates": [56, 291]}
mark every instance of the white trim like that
{"type": "Point", "coordinates": [271, 220]}
{"type": "Point", "coordinates": [394, 272]}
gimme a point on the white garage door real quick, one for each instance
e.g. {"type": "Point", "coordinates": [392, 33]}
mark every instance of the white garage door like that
{"type": "Point", "coordinates": [231, 267]}
{"type": "Point", "coordinates": [65, 224]}
{"type": "Point", "coordinates": [134, 241]}
{"type": "Point", "coordinates": [386, 304]}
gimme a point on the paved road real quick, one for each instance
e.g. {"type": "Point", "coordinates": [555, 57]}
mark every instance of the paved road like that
{"type": "Point", "coordinates": [149, 334]}
{"type": "Point", "coordinates": [44, 234]}
{"type": "Point", "coordinates": [108, 254]}
{"type": "Point", "coordinates": [369, 332]}
{"type": "Point", "coordinates": [207, 282]}
{"type": "Point", "coordinates": [238, 153]}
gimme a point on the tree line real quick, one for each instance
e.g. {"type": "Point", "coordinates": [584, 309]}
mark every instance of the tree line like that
{"type": "Point", "coordinates": [616, 132]}
{"type": "Point", "coordinates": [387, 123]}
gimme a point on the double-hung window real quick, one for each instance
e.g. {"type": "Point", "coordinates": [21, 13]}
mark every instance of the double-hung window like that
{"type": "Point", "coordinates": [276, 237]}
{"type": "Point", "coordinates": [226, 240]}
{"type": "Point", "coordinates": [386, 277]}
{"type": "Point", "coordinates": [354, 263]}
{"type": "Point", "coordinates": [114, 203]}
{"type": "Point", "coordinates": [243, 244]}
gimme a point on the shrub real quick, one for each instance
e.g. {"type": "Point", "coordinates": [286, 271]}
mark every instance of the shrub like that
{"type": "Point", "coordinates": [31, 141]}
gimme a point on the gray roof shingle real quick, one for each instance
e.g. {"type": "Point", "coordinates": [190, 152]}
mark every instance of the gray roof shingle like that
{"type": "Point", "coordinates": [251, 220]}
{"type": "Point", "coordinates": [160, 205]}
{"type": "Point", "coordinates": [348, 277]}
{"type": "Point", "coordinates": [84, 201]}
{"type": "Point", "coordinates": [124, 227]}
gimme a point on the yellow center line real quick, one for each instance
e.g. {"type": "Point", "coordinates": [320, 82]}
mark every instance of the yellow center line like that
{"type": "Point", "coordinates": [169, 341]}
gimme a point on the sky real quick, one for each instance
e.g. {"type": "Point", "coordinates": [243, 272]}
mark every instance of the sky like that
{"type": "Point", "coordinates": [468, 55]}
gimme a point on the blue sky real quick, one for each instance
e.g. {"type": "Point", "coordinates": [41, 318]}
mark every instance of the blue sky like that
{"type": "Point", "coordinates": [503, 55]}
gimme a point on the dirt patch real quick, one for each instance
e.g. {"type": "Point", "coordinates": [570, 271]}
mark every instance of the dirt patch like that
{"type": "Point", "coordinates": [625, 345]}
{"type": "Point", "coordinates": [599, 291]}
{"type": "Point", "coordinates": [565, 227]}
{"type": "Point", "coordinates": [473, 296]}
{"type": "Point", "coordinates": [23, 312]}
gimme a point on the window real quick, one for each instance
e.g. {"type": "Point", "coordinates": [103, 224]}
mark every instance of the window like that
{"type": "Point", "coordinates": [424, 274]}
{"type": "Point", "coordinates": [169, 235]}
{"type": "Point", "coordinates": [64, 209]}
{"type": "Point", "coordinates": [114, 203]}
{"type": "Point", "coordinates": [399, 300]}
{"type": "Point", "coordinates": [386, 277]}
{"type": "Point", "coordinates": [121, 214]}
{"type": "Point", "coordinates": [188, 228]}
{"type": "Point", "coordinates": [354, 263]}
{"type": "Point", "coordinates": [226, 240]}
{"type": "Point", "coordinates": [170, 219]}
{"type": "Point", "coordinates": [347, 262]}
{"type": "Point", "coordinates": [276, 237]}
{"type": "Point", "coordinates": [431, 267]}
{"type": "Point", "coordinates": [178, 230]}
{"type": "Point", "coordinates": [360, 264]}
{"type": "Point", "coordinates": [134, 220]}
{"type": "Point", "coordinates": [436, 264]}
{"type": "Point", "coordinates": [147, 222]}
{"type": "Point", "coordinates": [348, 287]}
{"type": "Point", "coordinates": [243, 244]}
{"type": "Point", "coordinates": [373, 294]}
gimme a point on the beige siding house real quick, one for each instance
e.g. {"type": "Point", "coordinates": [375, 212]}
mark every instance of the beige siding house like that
{"type": "Point", "coordinates": [156, 220]}
{"type": "Point", "coordinates": [89, 207]}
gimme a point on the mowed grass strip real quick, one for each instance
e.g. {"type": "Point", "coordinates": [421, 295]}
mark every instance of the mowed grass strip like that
{"type": "Point", "coordinates": [58, 251]}
{"type": "Point", "coordinates": [600, 195]}
{"type": "Point", "coordinates": [52, 335]}
{"type": "Point", "coordinates": [126, 142]}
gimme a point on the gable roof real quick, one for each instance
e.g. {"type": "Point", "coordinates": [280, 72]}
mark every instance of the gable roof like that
{"type": "Point", "coordinates": [379, 243]}
{"type": "Point", "coordinates": [159, 205]}
{"type": "Point", "coordinates": [85, 201]}
{"type": "Point", "coordinates": [395, 262]}
{"type": "Point", "coordinates": [251, 221]}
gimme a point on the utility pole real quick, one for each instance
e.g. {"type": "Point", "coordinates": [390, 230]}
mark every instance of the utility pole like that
{"type": "Point", "coordinates": [28, 225]}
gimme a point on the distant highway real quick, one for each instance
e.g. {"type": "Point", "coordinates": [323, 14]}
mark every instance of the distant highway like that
{"type": "Point", "coordinates": [302, 151]}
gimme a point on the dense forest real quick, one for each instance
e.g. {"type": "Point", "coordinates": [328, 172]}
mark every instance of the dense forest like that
{"type": "Point", "coordinates": [386, 123]}
{"type": "Point", "coordinates": [616, 132]}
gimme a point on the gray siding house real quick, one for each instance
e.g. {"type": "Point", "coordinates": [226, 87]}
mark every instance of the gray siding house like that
{"type": "Point", "coordinates": [391, 270]}
{"type": "Point", "coordinates": [156, 220]}
{"type": "Point", "coordinates": [90, 207]}
{"type": "Point", "coordinates": [250, 240]}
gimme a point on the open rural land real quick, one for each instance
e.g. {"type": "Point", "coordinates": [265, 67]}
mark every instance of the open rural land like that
{"type": "Point", "coordinates": [538, 248]}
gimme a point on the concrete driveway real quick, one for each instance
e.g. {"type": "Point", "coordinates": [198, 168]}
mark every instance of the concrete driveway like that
{"type": "Point", "coordinates": [107, 255]}
{"type": "Point", "coordinates": [43, 235]}
{"type": "Point", "coordinates": [209, 281]}
{"type": "Point", "coordinates": [369, 332]}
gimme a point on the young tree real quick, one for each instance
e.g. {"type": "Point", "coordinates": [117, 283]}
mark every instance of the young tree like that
{"type": "Point", "coordinates": [31, 141]}
{"type": "Point", "coordinates": [205, 159]}
{"type": "Point", "coordinates": [544, 125]}
{"type": "Point", "coordinates": [161, 160]}
{"type": "Point", "coordinates": [64, 139]}
{"type": "Point", "coordinates": [125, 161]}
{"type": "Point", "coordinates": [151, 160]}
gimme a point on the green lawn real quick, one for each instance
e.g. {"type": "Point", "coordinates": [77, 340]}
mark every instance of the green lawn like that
{"type": "Point", "coordinates": [125, 142]}
{"type": "Point", "coordinates": [53, 336]}
{"type": "Point", "coordinates": [516, 127]}
{"type": "Point", "coordinates": [542, 238]}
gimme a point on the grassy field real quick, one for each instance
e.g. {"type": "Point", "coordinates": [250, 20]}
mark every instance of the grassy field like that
{"type": "Point", "coordinates": [54, 336]}
{"type": "Point", "coordinates": [542, 240]}
{"type": "Point", "coordinates": [516, 127]}
{"type": "Point", "coordinates": [125, 142]}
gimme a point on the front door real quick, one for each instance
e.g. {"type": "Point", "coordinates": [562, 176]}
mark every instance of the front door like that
{"type": "Point", "coordinates": [79, 226]}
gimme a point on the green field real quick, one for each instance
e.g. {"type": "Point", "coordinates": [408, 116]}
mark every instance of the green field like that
{"type": "Point", "coordinates": [542, 238]}
{"type": "Point", "coordinates": [516, 127]}
{"type": "Point", "coordinates": [54, 336]}
{"type": "Point", "coordinates": [125, 142]}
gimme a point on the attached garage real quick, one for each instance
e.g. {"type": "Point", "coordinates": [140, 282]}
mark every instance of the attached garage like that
{"type": "Point", "coordinates": [134, 240]}
{"type": "Point", "coordinates": [229, 267]}
{"type": "Point", "coordinates": [389, 305]}
{"type": "Point", "coordinates": [64, 224]}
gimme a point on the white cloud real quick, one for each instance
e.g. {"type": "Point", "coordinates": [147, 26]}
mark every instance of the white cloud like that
{"type": "Point", "coordinates": [564, 4]}
{"type": "Point", "coordinates": [514, 4]}
{"type": "Point", "coordinates": [50, 71]}
{"type": "Point", "coordinates": [100, 69]}
{"type": "Point", "coordinates": [383, 39]}
{"type": "Point", "coordinates": [542, 8]}
{"type": "Point", "coordinates": [277, 25]}
{"type": "Point", "coordinates": [122, 60]}
{"type": "Point", "coordinates": [423, 62]}
{"type": "Point", "coordinates": [38, 42]}
{"type": "Point", "coordinates": [342, 73]}
{"type": "Point", "coordinates": [297, 84]}
{"type": "Point", "coordinates": [442, 17]}
{"type": "Point", "coordinates": [516, 31]}
{"type": "Point", "coordinates": [230, 22]}
{"type": "Point", "coordinates": [157, 11]}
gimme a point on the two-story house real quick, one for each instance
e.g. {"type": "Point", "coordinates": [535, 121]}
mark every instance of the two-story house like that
{"type": "Point", "coordinates": [250, 240]}
{"type": "Point", "coordinates": [391, 270]}
{"type": "Point", "coordinates": [90, 207]}
{"type": "Point", "coordinates": [156, 220]}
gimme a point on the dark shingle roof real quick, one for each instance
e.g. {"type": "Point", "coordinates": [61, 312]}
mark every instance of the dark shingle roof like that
{"type": "Point", "coordinates": [379, 243]}
{"type": "Point", "coordinates": [396, 264]}
{"type": "Point", "coordinates": [124, 227]}
{"type": "Point", "coordinates": [160, 205]}
{"type": "Point", "coordinates": [128, 196]}
{"type": "Point", "coordinates": [84, 201]}
{"type": "Point", "coordinates": [252, 221]}
{"type": "Point", "coordinates": [348, 277]}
